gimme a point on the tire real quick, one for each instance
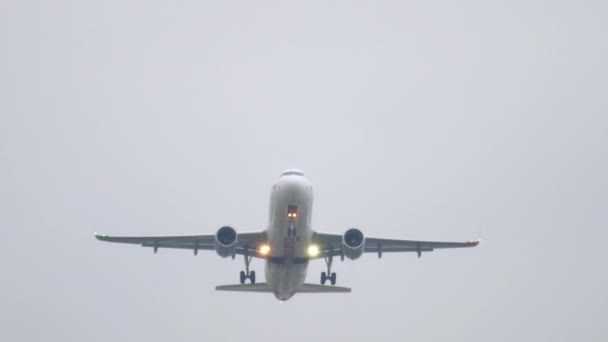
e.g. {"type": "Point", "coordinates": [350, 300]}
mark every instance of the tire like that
{"type": "Point", "coordinates": [252, 277]}
{"type": "Point", "coordinates": [243, 277]}
{"type": "Point", "coordinates": [323, 278]}
{"type": "Point", "coordinates": [333, 278]}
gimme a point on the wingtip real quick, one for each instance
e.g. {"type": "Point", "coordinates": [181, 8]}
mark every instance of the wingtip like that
{"type": "Point", "coordinates": [100, 236]}
{"type": "Point", "coordinates": [474, 242]}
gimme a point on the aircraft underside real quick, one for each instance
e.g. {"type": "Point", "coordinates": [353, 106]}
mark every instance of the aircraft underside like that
{"type": "Point", "coordinates": [288, 244]}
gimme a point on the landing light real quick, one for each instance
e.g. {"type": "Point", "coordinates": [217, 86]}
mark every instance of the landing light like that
{"type": "Point", "coordinates": [264, 249]}
{"type": "Point", "coordinates": [313, 250]}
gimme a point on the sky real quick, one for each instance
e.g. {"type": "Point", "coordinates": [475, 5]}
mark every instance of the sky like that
{"type": "Point", "coordinates": [434, 120]}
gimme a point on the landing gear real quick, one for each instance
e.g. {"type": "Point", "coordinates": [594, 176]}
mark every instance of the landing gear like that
{"type": "Point", "coordinates": [331, 278]}
{"type": "Point", "coordinates": [244, 275]}
{"type": "Point", "coordinates": [328, 276]}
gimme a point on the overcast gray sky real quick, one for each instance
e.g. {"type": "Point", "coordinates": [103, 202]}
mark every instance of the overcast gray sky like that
{"type": "Point", "coordinates": [413, 119]}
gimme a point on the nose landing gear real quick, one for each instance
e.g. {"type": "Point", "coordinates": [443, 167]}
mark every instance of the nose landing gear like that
{"type": "Point", "coordinates": [329, 275]}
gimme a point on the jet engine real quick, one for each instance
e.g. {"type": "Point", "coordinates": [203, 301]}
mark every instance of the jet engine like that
{"type": "Point", "coordinates": [225, 241]}
{"type": "Point", "coordinates": [353, 243]}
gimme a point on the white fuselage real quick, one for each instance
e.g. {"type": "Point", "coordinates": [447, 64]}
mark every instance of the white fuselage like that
{"type": "Point", "coordinates": [289, 234]}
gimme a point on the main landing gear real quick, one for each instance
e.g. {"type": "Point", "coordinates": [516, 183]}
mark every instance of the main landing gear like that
{"type": "Point", "coordinates": [328, 276]}
{"type": "Point", "coordinates": [246, 274]}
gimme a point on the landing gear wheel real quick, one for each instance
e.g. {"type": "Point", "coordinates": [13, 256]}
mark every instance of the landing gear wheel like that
{"type": "Point", "coordinates": [246, 274]}
{"type": "Point", "coordinates": [329, 275]}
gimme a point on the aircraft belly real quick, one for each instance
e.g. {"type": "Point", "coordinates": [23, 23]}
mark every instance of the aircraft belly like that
{"type": "Point", "coordinates": [289, 235]}
{"type": "Point", "coordinates": [286, 267]}
{"type": "Point", "coordinates": [285, 279]}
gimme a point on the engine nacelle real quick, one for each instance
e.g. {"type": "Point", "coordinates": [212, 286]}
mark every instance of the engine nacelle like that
{"type": "Point", "coordinates": [225, 241]}
{"type": "Point", "coordinates": [353, 243]}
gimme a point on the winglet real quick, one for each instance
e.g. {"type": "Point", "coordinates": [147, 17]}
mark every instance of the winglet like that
{"type": "Point", "coordinates": [474, 243]}
{"type": "Point", "coordinates": [101, 236]}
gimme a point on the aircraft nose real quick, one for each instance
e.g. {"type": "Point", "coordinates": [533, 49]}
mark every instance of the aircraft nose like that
{"type": "Point", "coordinates": [296, 184]}
{"type": "Point", "coordinates": [292, 172]}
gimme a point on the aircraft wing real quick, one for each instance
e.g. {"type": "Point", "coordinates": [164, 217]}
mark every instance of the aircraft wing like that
{"type": "Point", "coordinates": [331, 245]}
{"type": "Point", "coordinates": [247, 243]}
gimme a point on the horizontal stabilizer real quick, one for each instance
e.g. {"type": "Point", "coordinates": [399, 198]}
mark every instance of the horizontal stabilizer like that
{"type": "Point", "coordinates": [314, 288]}
{"type": "Point", "coordinates": [260, 287]}
{"type": "Point", "coordinates": [263, 287]}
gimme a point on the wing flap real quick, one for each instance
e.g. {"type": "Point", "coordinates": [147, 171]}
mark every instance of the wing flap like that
{"type": "Point", "coordinates": [394, 243]}
{"type": "Point", "coordinates": [375, 249]}
{"type": "Point", "coordinates": [201, 239]}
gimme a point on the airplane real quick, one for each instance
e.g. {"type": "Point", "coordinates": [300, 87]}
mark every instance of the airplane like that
{"type": "Point", "coordinates": [288, 244]}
